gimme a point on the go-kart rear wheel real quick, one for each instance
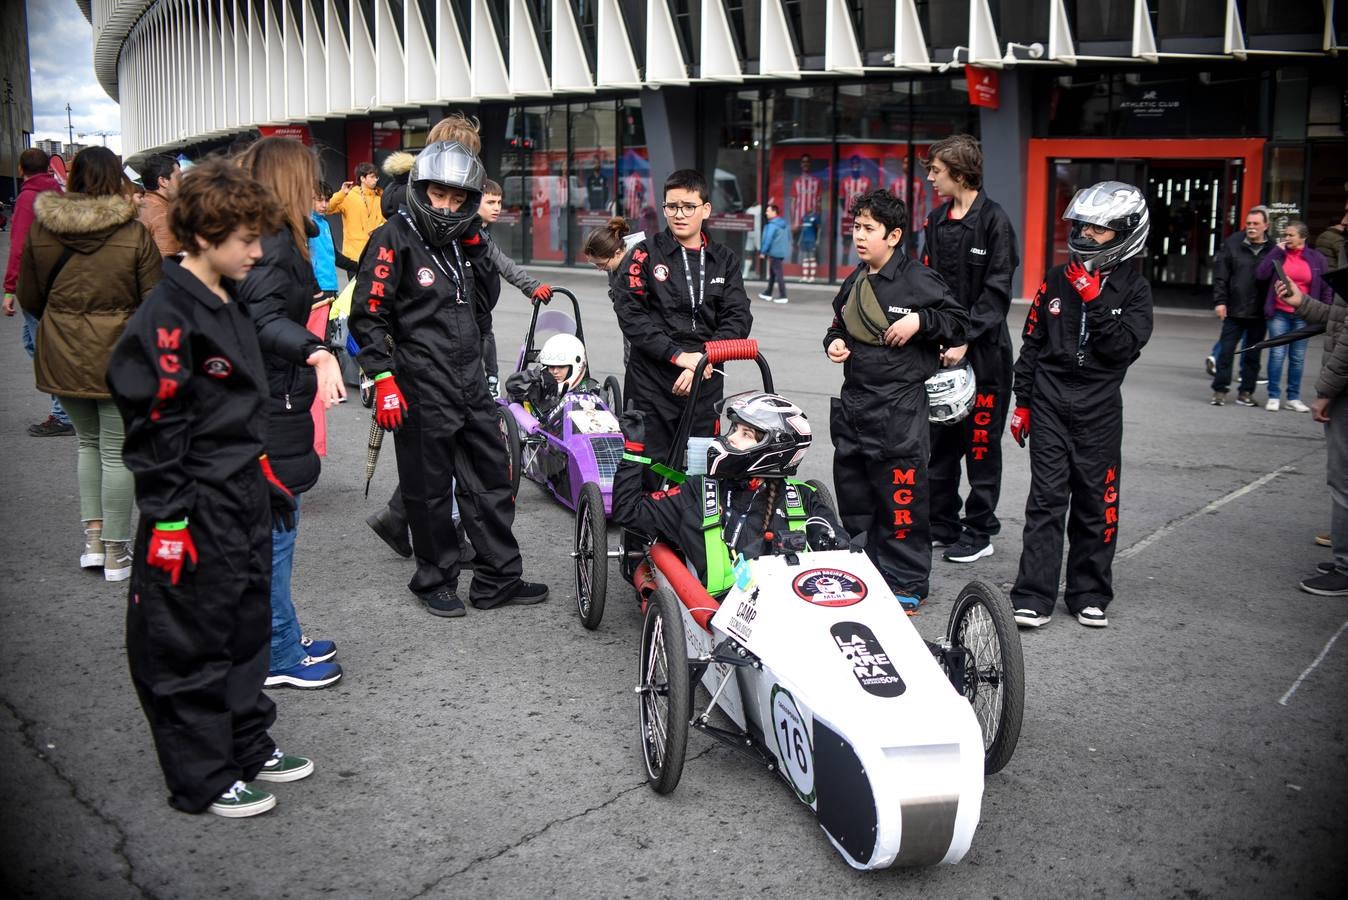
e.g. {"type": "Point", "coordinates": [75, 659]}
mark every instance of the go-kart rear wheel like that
{"type": "Point", "coordinates": [591, 549]}
{"type": "Point", "coordinates": [994, 672]}
{"type": "Point", "coordinates": [663, 692]}
{"type": "Point", "coordinates": [613, 395]}
{"type": "Point", "coordinates": [510, 433]}
{"type": "Point", "coordinates": [824, 494]}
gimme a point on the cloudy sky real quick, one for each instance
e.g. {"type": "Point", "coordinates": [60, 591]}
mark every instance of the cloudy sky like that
{"type": "Point", "coordinates": [60, 47]}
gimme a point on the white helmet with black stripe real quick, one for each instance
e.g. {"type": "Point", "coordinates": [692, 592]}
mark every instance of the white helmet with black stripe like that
{"type": "Point", "coordinates": [1114, 205]}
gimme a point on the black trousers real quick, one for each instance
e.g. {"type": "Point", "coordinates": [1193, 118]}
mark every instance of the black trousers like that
{"type": "Point", "coordinates": [489, 363]}
{"type": "Point", "coordinates": [648, 391]}
{"type": "Point", "coordinates": [880, 476]}
{"type": "Point", "coordinates": [775, 276]}
{"type": "Point", "coordinates": [432, 458]}
{"type": "Point", "coordinates": [1076, 476]}
{"type": "Point", "coordinates": [1234, 332]}
{"type": "Point", "coordinates": [977, 442]}
{"type": "Point", "coordinates": [198, 650]}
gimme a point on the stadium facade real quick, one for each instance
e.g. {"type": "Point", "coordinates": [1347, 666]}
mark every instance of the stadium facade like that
{"type": "Point", "coordinates": [587, 104]}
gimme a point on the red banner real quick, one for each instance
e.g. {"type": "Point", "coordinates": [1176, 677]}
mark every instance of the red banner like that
{"type": "Point", "coordinates": [983, 86]}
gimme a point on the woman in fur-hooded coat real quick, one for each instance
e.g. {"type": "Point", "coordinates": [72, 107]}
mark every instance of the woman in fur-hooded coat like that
{"type": "Point", "coordinates": [85, 268]}
{"type": "Point", "coordinates": [397, 167]}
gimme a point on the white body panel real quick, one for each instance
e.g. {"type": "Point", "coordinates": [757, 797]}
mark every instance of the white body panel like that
{"type": "Point", "coordinates": [866, 707]}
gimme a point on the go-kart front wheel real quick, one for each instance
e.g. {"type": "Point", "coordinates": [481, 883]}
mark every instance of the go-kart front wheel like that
{"type": "Point", "coordinates": [824, 494]}
{"type": "Point", "coordinates": [663, 692]}
{"type": "Point", "coordinates": [993, 676]}
{"type": "Point", "coordinates": [613, 395]}
{"type": "Point", "coordinates": [510, 433]}
{"type": "Point", "coordinates": [591, 556]}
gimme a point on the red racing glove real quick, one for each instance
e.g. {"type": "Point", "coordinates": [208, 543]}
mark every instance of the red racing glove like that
{"type": "Point", "coordinates": [389, 403]}
{"type": "Point", "coordinates": [542, 294]}
{"type": "Point", "coordinates": [1086, 284]}
{"type": "Point", "coordinates": [282, 500]}
{"type": "Point", "coordinates": [170, 548]}
{"type": "Point", "coordinates": [1020, 424]}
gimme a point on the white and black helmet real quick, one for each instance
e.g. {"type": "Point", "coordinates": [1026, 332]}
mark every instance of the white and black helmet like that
{"type": "Point", "coordinates": [785, 436]}
{"type": "Point", "coordinates": [565, 350]}
{"type": "Point", "coordinates": [453, 165]}
{"type": "Point", "coordinates": [950, 394]}
{"type": "Point", "coordinates": [1114, 205]}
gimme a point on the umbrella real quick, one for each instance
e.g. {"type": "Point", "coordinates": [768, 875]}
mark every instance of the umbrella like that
{"type": "Point", "coordinates": [1290, 337]}
{"type": "Point", "coordinates": [376, 439]}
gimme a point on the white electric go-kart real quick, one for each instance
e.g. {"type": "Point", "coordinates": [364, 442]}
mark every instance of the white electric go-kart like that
{"type": "Point", "coordinates": [819, 674]}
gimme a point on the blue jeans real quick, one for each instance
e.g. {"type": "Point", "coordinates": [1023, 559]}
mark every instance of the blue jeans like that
{"type": "Point", "coordinates": [285, 625]}
{"type": "Point", "coordinates": [30, 347]}
{"type": "Point", "coordinates": [1280, 324]}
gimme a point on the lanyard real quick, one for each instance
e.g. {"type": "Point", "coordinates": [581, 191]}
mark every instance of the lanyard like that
{"type": "Point", "coordinates": [1083, 336]}
{"type": "Point", "coordinates": [441, 261]}
{"type": "Point", "coordinates": [695, 299]}
{"type": "Point", "coordinates": [732, 540]}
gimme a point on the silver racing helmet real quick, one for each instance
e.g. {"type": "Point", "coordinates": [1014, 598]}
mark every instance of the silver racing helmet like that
{"type": "Point", "coordinates": [453, 165]}
{"type": "Point", "coordinates": [1114, 205]}
{"type": "Point", "coordinates": [950, 394]}
{"type": "Point", "coordinates": [784, 436]}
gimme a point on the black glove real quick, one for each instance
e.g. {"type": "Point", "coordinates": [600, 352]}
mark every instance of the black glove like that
{"type": "Point", "coordinates": [633, 425]}
{"type": "Point", "coordinates": [517, 386]}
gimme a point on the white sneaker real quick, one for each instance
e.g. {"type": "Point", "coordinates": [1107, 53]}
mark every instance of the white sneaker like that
{"type": "Point", "coordinates": [1297, 406]}
{"type": "Point", "coordinates": [764, 296]}
{"type": "Point", "coordinates": [1092, 616]}
{"type": "Point", "coordinates": [1028, 618]}
{"type": "Point", "coordinates": [1273, 405]}
{"type": "Point", "coordinates": [780, 300]}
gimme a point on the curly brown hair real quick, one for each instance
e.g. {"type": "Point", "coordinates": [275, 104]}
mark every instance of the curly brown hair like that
{"type": "Point", "coordinates": [962, 155]}
{"type": "Point", "coordinates": [215, 198]}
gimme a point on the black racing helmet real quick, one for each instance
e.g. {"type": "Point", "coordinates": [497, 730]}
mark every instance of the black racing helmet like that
{"type": "Point", "coordinates": [453, 165]}
{"type": "Point", "coordinates": [785, 436]}
{"type": "Point", "coordinates": [1114, 205]}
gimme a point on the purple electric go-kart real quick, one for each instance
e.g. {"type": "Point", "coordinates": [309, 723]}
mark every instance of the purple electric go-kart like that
{"type": "Point", "coordinates": [574, 451]}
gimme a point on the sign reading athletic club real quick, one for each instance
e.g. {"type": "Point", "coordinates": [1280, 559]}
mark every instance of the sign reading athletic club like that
{"type": "Point", "coordinates": [829, 587]}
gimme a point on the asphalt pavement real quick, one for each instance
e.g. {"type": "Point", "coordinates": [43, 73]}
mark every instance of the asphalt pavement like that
{"type": "Point", "coordinates": [1194, 748]}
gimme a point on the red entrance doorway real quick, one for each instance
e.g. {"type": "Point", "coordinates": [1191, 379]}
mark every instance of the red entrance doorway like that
{"type": "Point", "coordinates": [1195, 188]}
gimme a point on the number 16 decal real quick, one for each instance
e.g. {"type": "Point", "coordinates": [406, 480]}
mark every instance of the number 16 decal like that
{"type": "Point", "coordinates": [793, 743]}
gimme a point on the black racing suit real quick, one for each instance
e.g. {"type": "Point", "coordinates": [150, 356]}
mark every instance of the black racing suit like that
{"type": "Point", "coordinates": [881, 441]}
{"type": "Point", "coordinates": [976, 255]}
{"type": "Point", "coordinates": [671, 300]}
{"type": "Point", "coordinates": [676, 514]}
{"type": "Point", "coordinates": [188, 377]}
{"type": "Point", "coordinates": [425, 302]}
{"type": "Point", "coordinates": [1069, 377]}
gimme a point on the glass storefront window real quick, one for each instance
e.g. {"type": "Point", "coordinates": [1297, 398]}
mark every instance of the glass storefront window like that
{"type": "Point", "coordinates": [636, 194]}
{"type": "Point", "coordinates": [800, 165]}
{"type": "Point", "coordinates": [535, 180]}
{"type": "Point", "coordinates": [878, 116]}
{"type": "Point", "coordinates": [594, 141]}
{"type": "Point", "coordinates": [736, 209]}
{"type": "Point", "coordinates": [1286, 185]}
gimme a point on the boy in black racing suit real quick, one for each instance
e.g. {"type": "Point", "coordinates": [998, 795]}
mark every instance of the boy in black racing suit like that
{"type": "Point", "coordinates": [891, 319]}
{"type": "Point", "coordinates": [417, 287]}
{"type": "Point", "coordinates": [745, 505]}
{"type": "Point", "coordinates": [1086, 326]}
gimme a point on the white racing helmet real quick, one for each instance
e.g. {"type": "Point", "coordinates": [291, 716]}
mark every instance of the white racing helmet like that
{"type": "Point", "coordinates": [565, 350]}
{"type": "Point", "coordinates": [950, 394]}
{"type": "Point", "coordinates": [1114, 205]}
{"type": "Point", "coordinates": [454, 165]}
{"type": "Point", "coordinates": [785, 437]}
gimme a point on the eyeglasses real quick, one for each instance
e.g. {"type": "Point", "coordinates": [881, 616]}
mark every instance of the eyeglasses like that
{"type": "Point", "coordinates": [681, 209]}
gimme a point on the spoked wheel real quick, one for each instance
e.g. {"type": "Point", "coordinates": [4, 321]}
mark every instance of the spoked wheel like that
{"type": "Point", "coordinates": [510, 433]}
{"type": "Point", "coordinates": [613, 395]}
{"type": "Point", "coordinates": [994, 672]}
{"type": "Point", "coordinates": [663, 692]}
{"type": "Point", "coordinates": [824, 494]}
{"type": "Point", "coordinates": [591, 552]}
{"type": "Point", "coordinates": [366, 391]}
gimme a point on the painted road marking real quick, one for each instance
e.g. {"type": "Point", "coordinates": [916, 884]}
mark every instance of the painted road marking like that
{"type": "Point", "coordinates": [1311, 668]}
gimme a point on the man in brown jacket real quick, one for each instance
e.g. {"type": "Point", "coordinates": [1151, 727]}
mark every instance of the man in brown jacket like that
{"type": "Point", "coordinates": [1331, 407]}
{"type": "Point", "coordinates": [159, 174]}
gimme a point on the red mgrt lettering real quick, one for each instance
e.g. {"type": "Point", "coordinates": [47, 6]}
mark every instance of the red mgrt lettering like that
{"type": "Point", "coordinates": [980, 436]}
{"type": "Point", "coordinates": [382, 271]}
{"type": "Point", "coordinates": [979, 452]}
{"type": "Point", "coordinates": [903, 517]}
{"type": "Point", "coordinates": [376, 288]}
{"type": "Point", "coordinates": [1112, 475]}
{"type": "Point", "coordinates": [1109, 535]}
{"type": "Point", "coordinates": [385, 254]}
{"type": "Point", "coordinates": [982, 418]}
{"type": "Point", "coordinates": [169, 362]}
{"type": "Point", "coordinates": [905, 476]}
{"type": "Point", "coordinates": [640, 255]}
{"type": "Point", "coordinates": [903, 496]}
{"type": "Point", "coordinates": [1111, 515]}
{"type": "Point", "coordinates": [374, 305]}
{"type": "Point", "coordinates": [168, 340]}
{"type": "Point", "coordinates": [1111, 495]}
{"type": "Point", "coordinates": [985, 401]}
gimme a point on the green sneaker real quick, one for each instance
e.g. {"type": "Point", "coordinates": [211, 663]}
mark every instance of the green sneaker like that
{"type": "Point", "coordinates": [242, 801]}
{"type": "Point", "coordinates": [285, 768]}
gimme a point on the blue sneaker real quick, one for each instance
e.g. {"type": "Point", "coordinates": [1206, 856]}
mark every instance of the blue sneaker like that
{"type": "Point", "coordinates": [307, 674]}
{"type": "Point", "coordinates": [318, 651]}
{"type": "Point", "coordinates": [909, 604]}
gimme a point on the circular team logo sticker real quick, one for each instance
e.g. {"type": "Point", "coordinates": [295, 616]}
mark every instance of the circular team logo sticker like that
{"type": "Point", "coordinates": [217, 367]}
{"type": "Point", "coordinates": [1055, 307]}
{"type": "Point", "coordinates": [425, 277]}
{"type": "Point", "coordinates": [661, 272]}
{"type": "Point", "coordinates": [829, 587]}
{"type": "Point", "coordinates": [794, 747]}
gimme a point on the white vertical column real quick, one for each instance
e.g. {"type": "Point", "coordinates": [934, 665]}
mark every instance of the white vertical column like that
{"type": "Point", "coordinates": [455, 77]}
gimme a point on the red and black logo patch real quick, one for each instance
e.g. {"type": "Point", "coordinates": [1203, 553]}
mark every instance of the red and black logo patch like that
{"type": "Point", "coordinates": [217, 367]}
{"type": "Point", "coordinates": [829, 587]}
